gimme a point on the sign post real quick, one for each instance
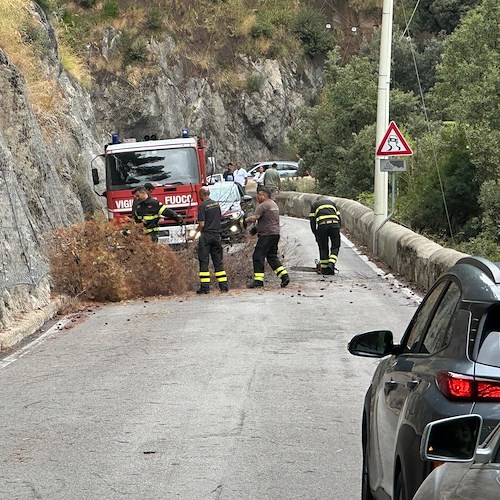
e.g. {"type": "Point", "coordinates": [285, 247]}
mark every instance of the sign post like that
{"type": "Point", "coordinates": [393, 144]}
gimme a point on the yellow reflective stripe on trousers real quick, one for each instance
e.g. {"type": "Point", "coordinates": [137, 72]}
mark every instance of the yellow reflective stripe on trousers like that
{"type": "Point", "coordinates": [221, 276]}
{"type": "Point", "coordinates": [280, 271]}
{"type": "Point", "coordinates": [258, 276]}
{"type": "Point", "coordinates": [204, 276]}
{"type": "Point", "coordinates": [333, 259]}
{"type": "Point", "coordinates": [151, 229]}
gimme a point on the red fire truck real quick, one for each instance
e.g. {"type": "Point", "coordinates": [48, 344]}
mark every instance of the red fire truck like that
{"type": "Point", "coordinates": [175, 167]}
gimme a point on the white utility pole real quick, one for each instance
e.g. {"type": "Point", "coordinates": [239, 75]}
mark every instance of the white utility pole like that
{"type": "Point", "coordinates": [384, 83]}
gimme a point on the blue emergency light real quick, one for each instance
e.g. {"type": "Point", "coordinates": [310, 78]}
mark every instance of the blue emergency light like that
{"type": "Point", "coordinates": [185, 133]}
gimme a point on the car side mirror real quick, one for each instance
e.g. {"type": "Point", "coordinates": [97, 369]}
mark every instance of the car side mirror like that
{"type": "Point", "coordinates": [376, 344]}
{"type": "Point", "coordinates": [453, 439]}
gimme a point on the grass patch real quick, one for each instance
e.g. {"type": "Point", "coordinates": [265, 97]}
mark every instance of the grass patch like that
{"type": "Point", "coordinates": [255, 81]}
{"type": "Point", "coordinates": [73, 65]}
{"type": "Point", "coordinates": [300, 184]}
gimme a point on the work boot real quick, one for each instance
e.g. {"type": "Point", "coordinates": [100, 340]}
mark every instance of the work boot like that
{"type": "Point", "coordinates": [255, 284]}
{"type": "Point", "coordinates": [203, 289]}
{"type": "Point", "coordinates": [331, 267]}
{"type": "Point", "coordinates": [285, 279]}
{"type": "Point", "coordinates": [223, 287]}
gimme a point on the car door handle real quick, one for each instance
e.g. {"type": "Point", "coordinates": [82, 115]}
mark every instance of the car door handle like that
{"type": "Point", "coordinates": [412, 384]}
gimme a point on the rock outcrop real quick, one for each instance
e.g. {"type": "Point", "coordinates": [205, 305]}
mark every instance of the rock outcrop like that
{"type": "Point", "coordinates": [45, 178]}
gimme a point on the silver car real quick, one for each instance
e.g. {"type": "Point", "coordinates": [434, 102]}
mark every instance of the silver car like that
{"type": "Point", "coordinates": [469, 471]}
{"type": "Point", "coordinates": [284, 167]}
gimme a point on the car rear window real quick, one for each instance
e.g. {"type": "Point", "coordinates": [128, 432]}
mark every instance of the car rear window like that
{"type": "Point", "coordinates": [489, 347]}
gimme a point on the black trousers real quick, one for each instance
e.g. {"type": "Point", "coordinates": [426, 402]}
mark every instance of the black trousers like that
{"type": "Point", "coordinates": [209, 245]}
{"type": "Point", "coordinates": [328, 239]}
{"type": "Point", "coordinates": [266, 248]}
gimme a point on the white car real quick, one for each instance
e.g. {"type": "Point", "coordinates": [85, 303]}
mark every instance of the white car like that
{"type": "Point", "coordinates": [284, 167]}
{"type": "Point", "coordinates": [212, 179]}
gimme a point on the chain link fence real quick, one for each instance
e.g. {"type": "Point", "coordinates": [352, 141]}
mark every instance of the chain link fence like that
{"type": "Point", "coordinates": [22, 260]}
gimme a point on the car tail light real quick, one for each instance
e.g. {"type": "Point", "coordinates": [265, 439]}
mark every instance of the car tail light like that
{"type": "Point", "coordinates": [466, 388]}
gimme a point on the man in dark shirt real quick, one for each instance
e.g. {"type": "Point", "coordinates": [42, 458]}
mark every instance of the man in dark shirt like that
{"type": "Point", "coordinates": [325, 224]}
{"type": "Point", "coordinates": [209, 245]}
{"type": "Point", "coordinates": [149, 211]}
{"type": "Point", "coordinates": [268, 229]}
{"type": "Point", "coordinates": [149, 188]}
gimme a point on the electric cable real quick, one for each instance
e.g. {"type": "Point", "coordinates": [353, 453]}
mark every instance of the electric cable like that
{"type": "Point", "coordinates": [427, 121]}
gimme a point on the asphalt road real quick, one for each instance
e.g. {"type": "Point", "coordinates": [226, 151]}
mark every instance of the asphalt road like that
{"type": "Point", "coordinates": [246, 395]}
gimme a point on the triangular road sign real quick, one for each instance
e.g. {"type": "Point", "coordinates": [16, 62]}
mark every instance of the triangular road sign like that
{"type": "Point", "coordinates": [393, 143]}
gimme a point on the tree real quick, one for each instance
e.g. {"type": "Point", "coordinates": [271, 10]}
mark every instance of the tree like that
{"type": "Point", "coordinates": [442, 172]}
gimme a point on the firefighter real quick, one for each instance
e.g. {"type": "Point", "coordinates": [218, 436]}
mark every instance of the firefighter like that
{"type": "Point", "coordinates": [325, 224]}
{"type": "Point", "coordinates": [209, 245]}
{"type": "Point", "coordinates": [149, 188]}
{"type": "Point", "coordinates": [268, 230]}
{"type": "Point", "coordinates": [149, 211]}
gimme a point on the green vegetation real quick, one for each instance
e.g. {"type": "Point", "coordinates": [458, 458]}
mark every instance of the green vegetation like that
{"type": "Point", "coordinates": [205, 31]}
{"type": "Point", "coordinates": [309, 26]}
{"type": "Point", "coordinates": [254, 82]}
{"type": "Point", "coordinates": [451, 190]}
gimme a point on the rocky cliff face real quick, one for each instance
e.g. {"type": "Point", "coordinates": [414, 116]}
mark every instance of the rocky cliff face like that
{"type": "Point", "coordinates": [246, 126]}
{"type": "Point", "coordinates": [45, 179]}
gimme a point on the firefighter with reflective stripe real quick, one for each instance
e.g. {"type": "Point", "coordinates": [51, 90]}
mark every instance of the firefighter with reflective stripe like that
{"type": "Point", "coordinates": [268, 229]}
{"type": "Point", "coordinates": [209, 245]}
{"type": "Point", "coordinates": [325, 224]}
{"type": "Point", "coordinates": [149, 211]}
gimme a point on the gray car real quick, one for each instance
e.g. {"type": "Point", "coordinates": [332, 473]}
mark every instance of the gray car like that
{"type": "Point", "coordinates": [469, 471]}
{"type": "Point", "coordinates": [447, 364]}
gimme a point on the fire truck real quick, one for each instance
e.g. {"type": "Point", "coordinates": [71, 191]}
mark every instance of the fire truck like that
{"type": "Point", "coordinates": [175, 167]}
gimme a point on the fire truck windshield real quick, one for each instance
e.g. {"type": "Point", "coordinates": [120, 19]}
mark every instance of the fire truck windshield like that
{"type": "Point", "coordinates": [129, 169]}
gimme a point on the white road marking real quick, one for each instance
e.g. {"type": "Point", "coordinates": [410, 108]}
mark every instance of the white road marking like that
{"type": "Point", "coordinates": [32, 345]}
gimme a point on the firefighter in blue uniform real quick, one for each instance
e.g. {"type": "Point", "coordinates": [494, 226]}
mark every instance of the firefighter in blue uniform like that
{"type": "Point", "coordinates": [325, 224]}
{"type": "Point", "coordinates": [209, 245]}
{"type": "Point", "coordinates": [149, 211]}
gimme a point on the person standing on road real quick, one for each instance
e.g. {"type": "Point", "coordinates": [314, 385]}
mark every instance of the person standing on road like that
{"type": "Point", "coordinates": [268, 229]}
{"type": "Point", "coordinates": [301, 166]}
{"type": "Point", "coordinates": [209, 244]}
{"type": "Point", "coordinates": [259, 177]}
{"type": "Point", "coordinates": [240, 176]}
{"type": "Point", "coordinates": [272, 179]}
{"type": "Point", "coordinates": [325, 225]}
{"type": "Point", "coordinates": [149, 211]}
